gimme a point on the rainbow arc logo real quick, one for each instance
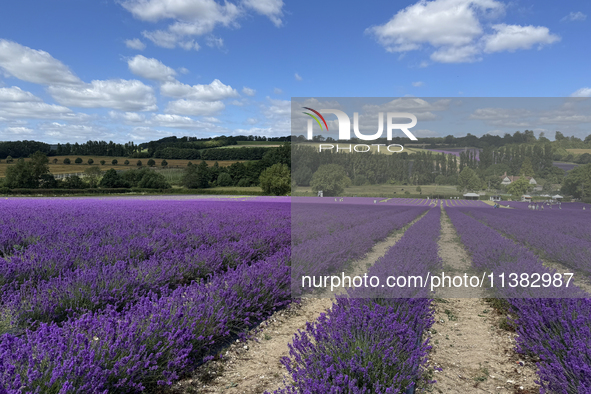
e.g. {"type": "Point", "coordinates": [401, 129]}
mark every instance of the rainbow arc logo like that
{"type": "Point", "coordinates": [315, 118]}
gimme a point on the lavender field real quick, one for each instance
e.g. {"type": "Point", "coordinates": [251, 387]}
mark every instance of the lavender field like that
{"type": "Point", "coordinates": [127, 295]}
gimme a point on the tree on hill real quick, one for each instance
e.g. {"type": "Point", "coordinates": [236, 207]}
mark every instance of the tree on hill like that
{"type": "Point", "coordinates": [331, 179]}
{"type": "Point", "coordinates": [114, 162]}
{"type": "Point", "coordinates": [519, 187]}
{"type": "Point", "coordinates": [163, 163]}
{"type": "Point", "coordinates": [151, 163]}
{"type": "Point", "coordinates": [90, 161]}
{"type": "Point", "coordinates": [93, 175]}
{"type": "Point", "coordinates": [29, 174]}
{"type": "Point", "coordinates": [196, 176]}
{"type": "Point", "coordinates": [78, 160]}
{"type": "Point", "coordinates": [126, 162]}
{"type": "Point", "coordinates": [526, 168]}
{"type": "Point", "coordinates": [578, 182]}
{"type": "Point", "coordinates": [67, 160]}
{"type": "Point", "coordinates": [465, 178]}
{"type": "Point", "coordinates": [74, 182]}
{"type": "Point", "coordinates": [224, 179]}
{"type": "Point", "coordinates": [153, 180]}
{"type": "Point", "coordinates": [276, 180]}
{"type": "Point", "coordinates": [112, 180]}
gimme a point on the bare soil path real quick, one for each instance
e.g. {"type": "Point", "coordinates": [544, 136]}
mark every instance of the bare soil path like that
{"type": "Point", "coordinates": [474, 353]}
{"type": "Point", "coordinates": [254, 366]}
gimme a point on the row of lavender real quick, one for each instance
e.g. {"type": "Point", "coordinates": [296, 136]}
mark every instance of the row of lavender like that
{"type": "Point", "coordinates": [371, 342]}
{"type": "Point", "coordinates": [80, 256]}
{"type": "Point", "coordinates": [328, 237]}
{"type": "Point", "coordinates": [103, 325]}
{"type": "Point", "coordinates": [556, 329]}
{"type": "Point", "coordinates": [564, 237]}
{"type": "Point", "coordinates": [154, 336]}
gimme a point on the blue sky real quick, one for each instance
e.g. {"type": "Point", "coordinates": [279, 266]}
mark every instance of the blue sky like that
{"type": "Point", "coordinates": [73, 70]}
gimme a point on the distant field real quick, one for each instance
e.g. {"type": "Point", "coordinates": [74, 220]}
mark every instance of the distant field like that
{"type": "Point", "coordinates": [389, 190]}
{"type": "Point", "coordinates": [259, 143]}
{"type": "Point", "coordinates": [61, 168]}
{"type": "Point", "coordinates": [578, 151]}
{"type": "Point", "coordinates": [564, 166]}
{"type": "Point", "coordinates": [373, 148]}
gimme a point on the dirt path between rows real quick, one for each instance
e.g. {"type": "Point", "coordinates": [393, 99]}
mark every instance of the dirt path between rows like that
{"type": "Point", "coordinates": [254, 366]}
{"type": "Point", "coordinates": [474, 353]}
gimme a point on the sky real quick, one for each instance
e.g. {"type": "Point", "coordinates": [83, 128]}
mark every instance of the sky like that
{"type": "Point", "coordinates": [139, 70]}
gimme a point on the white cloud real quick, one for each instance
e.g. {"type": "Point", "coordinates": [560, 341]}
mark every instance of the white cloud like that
{"type": "Point", "coordinates": [278, 108]}
{"type": "Point", "coordinates": [192, 18]}
{"type": "Point", "coordinates": [119, 94]}
{"type": "Point", "coordinates": [207, 12]}
{"type": "Point", "coordinates": [212, 41]}
{"type": "Point", "coordinates": [150, 69]}
{"type": "Point", "coordinates": [574, 16]}
{"type": "Point", "coordinates": [453, 31]}
{"type": "Point", "coordinates": [270, 8]}
{"type": "Point", "coordinates": [425, 133]}
{"type": "Point", "coordinates": [15, 94]}
{"type": "Point", "coordinates": [297, 77]}
{"type": "Point", "coordinates": [194, 107]}
{"type": "Point", "coordinates": [161, 38]}
{"type": "Point", "coordinates": [135, 44]}
{"type": "Point", "coordinates": [143, 133]}
{"type": "Point", "coordinates": [189, 44]}
{"type": "Point", "coordinates": [583, 92]}
{"type": "Point", "coordinates": [248, 91]}
{"type": "Point", "coordinates": [33, 65]}
{"type": "Point", "coordinates": [19, 104]}
{"type": "Point", "coordinates": [196, 17]}
{"type": "Point", "coordinates": [212, 92]}
{"type": "Point", "coordinates": [251, 121]}
{"type": "Point", "coordinates": [277, 91]}
{"type": "Point", "coordinates": [211, 119]}
{"type": "Point", "coordinates": [183, 70]}
{"type": "Point", "coordinates": [438, 23]}
{"type": "Point", "coordinates": [513, 37]}
{"type": "Point", "coordinates": [418, 84]}
{"type": "Point", "coordinates": [178, 121]}
{"type": "Point", "coordinates": [465, 54]}
{"type": "Point", "coordinates": [15, 131]}
{"type": "Point", "coordinates": [127, 117]}
{"type": "Point", "coordinates": [66, 132]}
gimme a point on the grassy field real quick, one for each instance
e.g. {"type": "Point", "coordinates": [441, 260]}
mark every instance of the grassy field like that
{"type": "Point", "coordinates": [373, 148]}
{"type": "Point", "coordinates": [388, 190]}
{"type": "Point", "coordinates": [578, 151]}
{"type": "Point", "coordinates": [249, 146]}
{"type": "Point", "coordinates": [61, 168]}
{"type": "Point", "coordinates": [259, 143]}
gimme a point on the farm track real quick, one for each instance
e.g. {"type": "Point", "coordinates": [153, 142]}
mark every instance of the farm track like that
{"type": "Point", "coordinates": [254, 366]}
{"type": "Point", "coordinates": [475, 355]}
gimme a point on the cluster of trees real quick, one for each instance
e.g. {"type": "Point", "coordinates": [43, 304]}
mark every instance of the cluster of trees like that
{"type": "Point", "coordinates": [16, 149]}
{"type": "Point", "coordinates": [34, 174]}
{"type": "Point", "coordinates": [578, 182]}
{"type": "Point", "coordinates": [466, 171]}
{"type": "Point", "coordinates": [155, 149]}
{"type": "Point", "coordinates": [200, 176]}
{"type": "Point", "coordinates": [254, 153]}
{"type": "Point", "coordinates": [487, 140]}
